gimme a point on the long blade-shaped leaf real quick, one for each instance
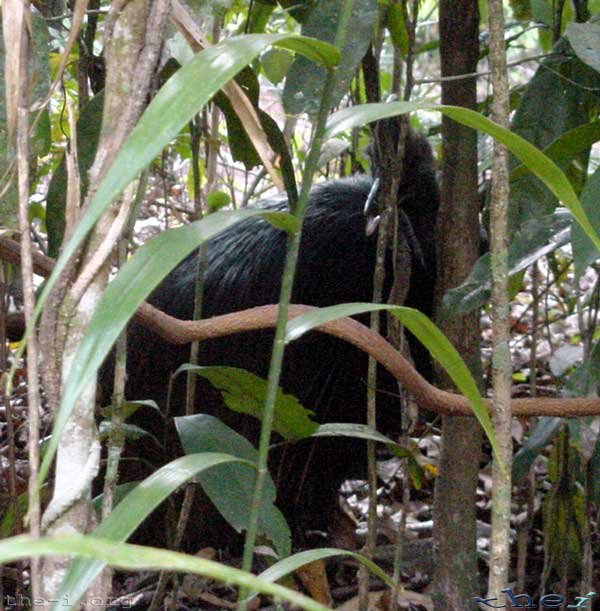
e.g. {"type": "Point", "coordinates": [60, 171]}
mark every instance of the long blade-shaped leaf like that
{"type": "Point", "coordinates": [424, 330]}
{"type": "Point", "coordinates": [180, 98]}
{"type": "Point", "coordinates": [134, 282]}
{"type": "Point", "coordinates": [134, 508]}
{"type": "Point", "coordinates": [538, 163]}
{"type": "Point", "coordinates": [137, 558]}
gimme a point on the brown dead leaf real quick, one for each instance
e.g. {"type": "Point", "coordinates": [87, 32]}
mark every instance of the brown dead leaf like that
{"type": "Point", "coordinates": [239, 100]}
{"type": "Point", "coordinates": [314, 579]}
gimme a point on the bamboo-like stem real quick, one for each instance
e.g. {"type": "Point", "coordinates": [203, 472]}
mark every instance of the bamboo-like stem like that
{"type": "Point", "coordinates": [285, 296]}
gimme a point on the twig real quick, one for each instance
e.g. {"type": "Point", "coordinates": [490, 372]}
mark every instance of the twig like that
{"type": "Point", "coordinates": [468, 75]}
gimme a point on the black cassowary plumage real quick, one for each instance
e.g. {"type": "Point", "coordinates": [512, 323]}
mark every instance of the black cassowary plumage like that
{"type": "Point", "coordinates": [335, 265]}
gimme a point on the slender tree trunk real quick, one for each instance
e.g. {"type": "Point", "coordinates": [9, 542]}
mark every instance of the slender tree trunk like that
{"type": "Point", "coordinates": [501, 363]}
{"type": "Point", "coordinates": [458, 249]}
{"type": "Point", "coordinates": [133, 39]}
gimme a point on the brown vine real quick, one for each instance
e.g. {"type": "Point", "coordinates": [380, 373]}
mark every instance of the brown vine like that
{"type": "Point", "coordinates": [176, 331]}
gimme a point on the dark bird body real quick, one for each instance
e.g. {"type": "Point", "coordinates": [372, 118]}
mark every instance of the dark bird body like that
{"type": "Point", "coordinates": [336, 265]}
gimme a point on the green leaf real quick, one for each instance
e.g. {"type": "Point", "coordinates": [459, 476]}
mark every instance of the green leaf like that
{"type": "Point", "coordinates": [133, 509]}
{"type": "Point", "coordinates": [129, 431]}
{"type": "Point", "coordinates": [542, 12]}
{"type": "Point", "coordinates": [121, 491]}
{"type": "Point", "coordinates": [128, 408]}
{"type": "Point", "coordinates": [542, 167]}
{"type": "Point", "coordinates": [362, 114]}
{"type": "Point", "coordinates": [585, 40]}
{"type": "Point", "coordinates": [258, 17]}
{"type": "Point", "coordinates": [566, 147]}
{"type": "Point", "coordinates": [134, 282]}
{"type": "Point", "coordinates": [231, 486]}
{"type": "Point", "coordinates": [572, 87]}
{"type": "Point", "coordinates": [216, 200]}
{"type": "Point", "coordinates": [543, 434]}
{"type": "Point", "coordinates": [585, 380]}
{"type": "Point", "coordinates": [584, 250]}
{"type": "Point", "coordinates": [304, 82]}
{"type": "Point", "coordinates": [394, 21]}
{"type": "Point", "coordinates": [534, 240]}
{"type": "Point", "coordinates": [318, 51]}
{"type": "Point", "coordinates": [138, 558]}
{"type": "Point", "coordinates": [351, 429]}
{"type": "Point", "coordinates": [245, 393]}
{"type": "Point", "coordinates": [276, 63]}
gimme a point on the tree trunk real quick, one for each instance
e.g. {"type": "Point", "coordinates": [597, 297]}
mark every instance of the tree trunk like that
{"type": "Point", "coordinates": [458, 248]}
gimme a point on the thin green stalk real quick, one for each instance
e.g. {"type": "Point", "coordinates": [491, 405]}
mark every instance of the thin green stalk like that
{"type": "Point", "coordinates": [116, 438]}
{"type": "Point", "coordinates": [190, 396]}
{"type": "Point", "coordinates": [285, 295]}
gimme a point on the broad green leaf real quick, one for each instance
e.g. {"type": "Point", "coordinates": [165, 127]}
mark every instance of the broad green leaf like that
{"type": "Point", "coordinates": [542, 12]}
{"type": "Point", "coordinates": [566, 147]}
{"type": "Point", "coordinates": [245, 393]}
{"type": "Point", "coordinates": [362, 114]}
{"type": "Point", "coordinates": [120, 492]}
{"type": "Point", "coordinates": [585, 40]}
{"type": "Point", "coordinates": [584, 250]}
{"type": "Point", "coordinates": [585, 380]}
{"type": "Point", "coordinates": [351, 429]}
{"type": "Point", "coordinates": [134, 508]}
{"type": "Point", "coordinates": [304, 82]}
{"type": "Point", "coordinates": [129, 431]}
{"type": "Point", "coordinates": [424, 330]}
{"type": "Point", "coordinates": [231, 486]}
{"type": "Point", "coordinates": [534, 240]}
{"type": "Point", "coordinates": [276, 63]}
{"type": "Point", "coordinates": [258, 17]}
{"type": "Point", "coordinates": [572, 87]}
{"type": "Point", "coordinates": [543, 434]}
{"type": "Point", "coordinates": [128, 408]}
{"type": "Point", "coordinates": [394, 21]}
{"type": "Point", "coordinates": [318, 51]}
{"type": "Point", "coordinates": [139, 558]}
{"type": "Point", "coordinates": [216, 200]}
